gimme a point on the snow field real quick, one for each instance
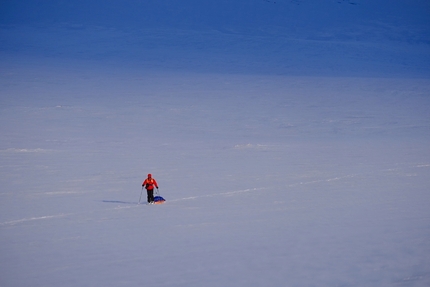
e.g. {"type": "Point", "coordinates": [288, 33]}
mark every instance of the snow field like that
{"type": "Point", "coordinates": [289, 189]}
{"type": "Point", "coordinates": [290, 139]}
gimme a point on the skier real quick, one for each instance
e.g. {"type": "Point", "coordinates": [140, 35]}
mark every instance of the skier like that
{"type": "Point", "coordinates": [149, 184]}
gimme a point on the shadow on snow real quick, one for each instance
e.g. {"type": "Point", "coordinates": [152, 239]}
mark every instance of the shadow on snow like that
{"type": "Point", "coordinates": [118, 201]}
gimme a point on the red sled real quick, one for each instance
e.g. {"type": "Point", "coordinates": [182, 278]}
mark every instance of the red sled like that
{"type": "Point", "coordinates": [158, 199]}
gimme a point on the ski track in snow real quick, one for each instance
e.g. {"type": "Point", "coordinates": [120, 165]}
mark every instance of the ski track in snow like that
{"type": "Point", "coordinates": [14, 222]}
{"type": "Point", "coordinates": [229, 193]}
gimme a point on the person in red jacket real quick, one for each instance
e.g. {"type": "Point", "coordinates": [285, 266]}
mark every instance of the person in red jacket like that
{"type": "Point", "coordinates": [149, 184]}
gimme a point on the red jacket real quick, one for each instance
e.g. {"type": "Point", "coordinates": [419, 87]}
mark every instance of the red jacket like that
{"type": "Point", "coordinates": [149, 183]}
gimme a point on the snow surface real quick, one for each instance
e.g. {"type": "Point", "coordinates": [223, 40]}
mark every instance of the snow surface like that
{"type": "Point", "coordinates": [289, 138]}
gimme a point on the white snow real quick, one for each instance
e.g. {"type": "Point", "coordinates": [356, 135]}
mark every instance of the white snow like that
{"type": "Point", "coordinates": [290, 141]}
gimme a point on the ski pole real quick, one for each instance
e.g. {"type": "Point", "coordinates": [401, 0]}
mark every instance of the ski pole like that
{"type": "Point", "coordinates": [140, 195]}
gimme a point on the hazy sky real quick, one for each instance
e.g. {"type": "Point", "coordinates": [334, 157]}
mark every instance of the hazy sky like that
{"type": "Point", "coordinates": [214, 13]}
{"type": "Point", "coordinates": [356, 37]}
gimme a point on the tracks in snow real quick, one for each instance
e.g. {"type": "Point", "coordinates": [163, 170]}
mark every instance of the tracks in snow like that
{"type": "Point", "coordinates": [229, 193]}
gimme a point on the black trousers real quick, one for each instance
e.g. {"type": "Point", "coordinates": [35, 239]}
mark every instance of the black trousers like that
{"type": "Point", "coordinates": [150, 193]}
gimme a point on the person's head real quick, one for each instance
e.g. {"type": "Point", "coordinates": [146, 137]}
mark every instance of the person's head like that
{"type": "Point", "coordinates": [149, 175]}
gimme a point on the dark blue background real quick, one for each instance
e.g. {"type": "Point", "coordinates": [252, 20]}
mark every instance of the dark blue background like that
{"type": "Point", "coordinates": [303, 37]}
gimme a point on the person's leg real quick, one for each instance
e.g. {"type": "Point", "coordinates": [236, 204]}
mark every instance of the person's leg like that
{"type": "Point", "coordinates": [150, 195]}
